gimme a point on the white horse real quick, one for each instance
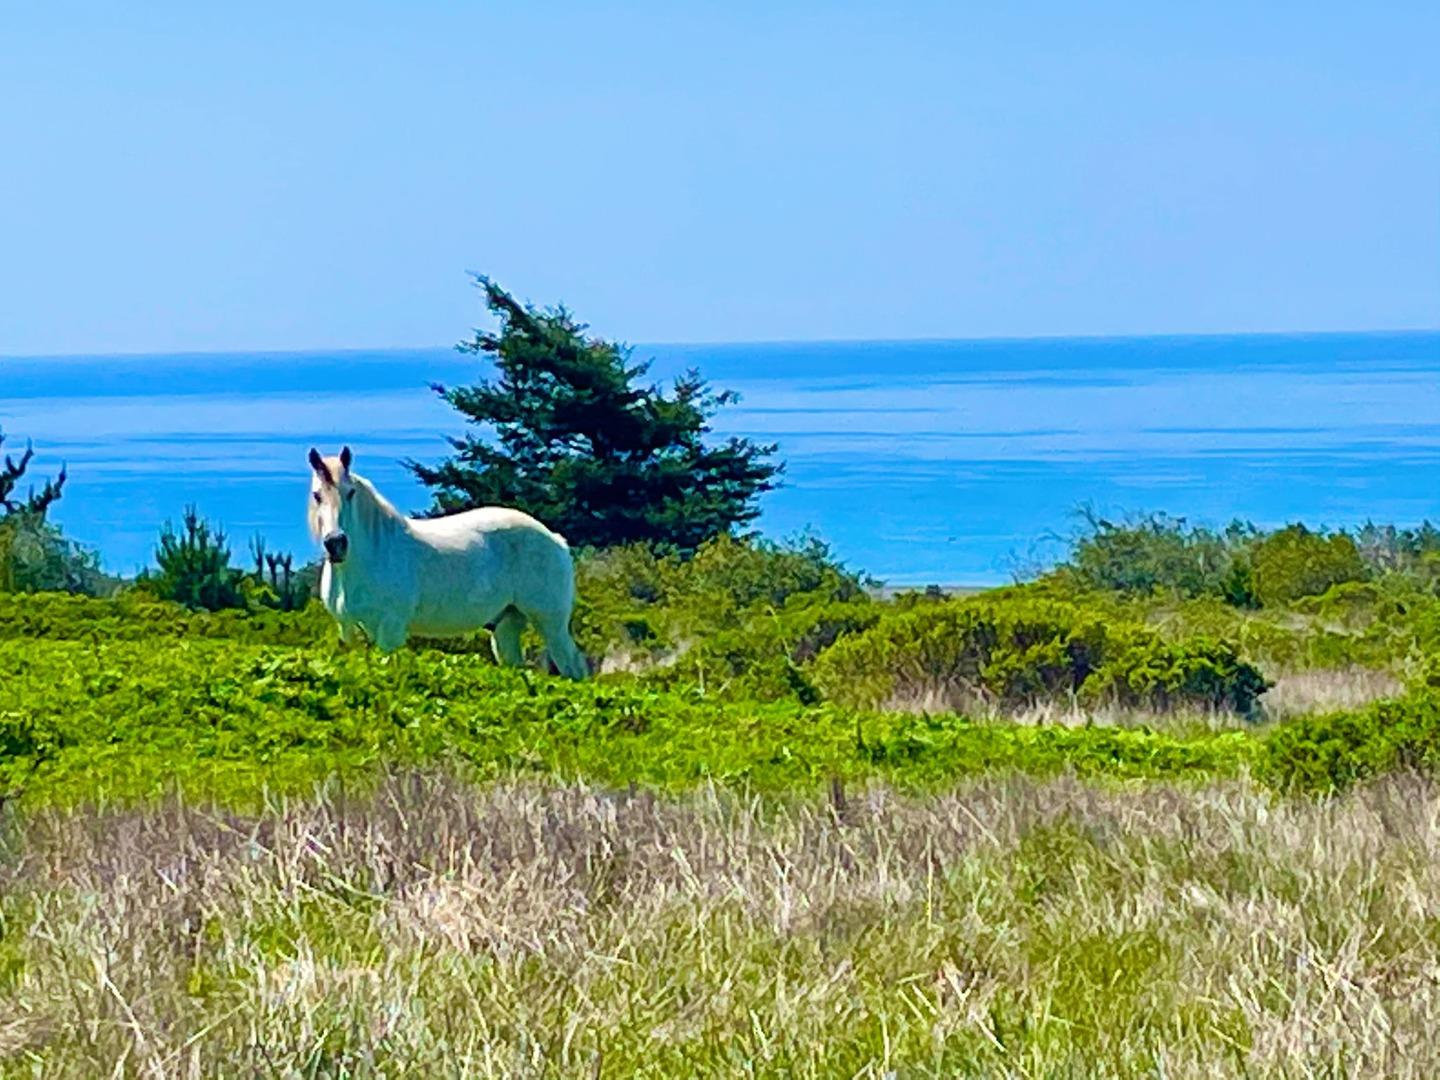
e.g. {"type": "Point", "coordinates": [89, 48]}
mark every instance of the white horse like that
{"type": "Point", "coordinates": [391, 576]}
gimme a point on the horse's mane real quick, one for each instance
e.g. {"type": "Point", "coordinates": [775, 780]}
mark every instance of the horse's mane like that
{"type": "Point", "coordinates": [375, 511]}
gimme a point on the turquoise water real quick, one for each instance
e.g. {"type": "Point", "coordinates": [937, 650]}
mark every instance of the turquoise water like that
{"type": "Point", "coordinates": [941, 461]}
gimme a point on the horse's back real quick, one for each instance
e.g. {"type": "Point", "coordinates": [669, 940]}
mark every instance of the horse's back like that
{"type": "Point", "coordinates": [494, 555]}
{"type": "Point", "coordinates": [486, 525]}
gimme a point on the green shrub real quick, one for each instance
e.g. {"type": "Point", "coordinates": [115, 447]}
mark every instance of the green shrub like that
{"type": "Point", "coordinates": [635, 600]}
{"type": "Point", "coordinates": [766, 658]}
{"type": "Point", "coordinates": [741, 574]}
{"type": "Point", "coordinates": [85, 720]}
{"type": "Point", "coordinates": [1158, 553]}
{"type": "Point", "coordinates": [1241, 565]}
{"type": "Point", "coordinates": [1295, 562]}
{"type": "Point", "coordinates": [135, 615]}
{"type": "Point", "coordinates": [1150, 673]}
{"type": "Point", "coordinates": [1349, 626]}
{"type": "Point", "coordinates": [194, 567]}
{"type": "Point", "coordinates": [965, 654]}
{"type": "Point", "coordinates": [619, 593]}
{"type": "Point", "coordinates": [1351, 604]}
{"type": "Point", "coordinates": [1022, 650]}
{"type": "Point", "coordinates": [1410, 553]}
{"type": "Point", "coordinates": [1327, 754]}
{"type": "Point", "coordinates": [35, 556]}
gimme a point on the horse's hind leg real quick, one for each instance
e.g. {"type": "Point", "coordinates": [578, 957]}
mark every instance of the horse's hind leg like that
{"type": "Point", "coordinates": [564, 653]}
{"type": "Point", "coordinates": [506, 638]}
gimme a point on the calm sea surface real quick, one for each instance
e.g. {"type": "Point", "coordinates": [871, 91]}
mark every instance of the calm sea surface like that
{"type": "Point", "coordinates": [941, 461]}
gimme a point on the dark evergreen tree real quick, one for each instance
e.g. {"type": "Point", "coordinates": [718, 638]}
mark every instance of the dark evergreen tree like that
{"type": "Point", "coordinates": [569, 432]}
{"type": "Point", "coordinates": [35, 556]}
{"type": "Point", "coordinates": [34, 503]}
{"type": "Point", "coordinates": [194, 567]}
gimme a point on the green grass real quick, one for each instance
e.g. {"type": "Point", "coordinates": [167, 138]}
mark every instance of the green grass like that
{"type": "Point", "coordinates": [225, 719]}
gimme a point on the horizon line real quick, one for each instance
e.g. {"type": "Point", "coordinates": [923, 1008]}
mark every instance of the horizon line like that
{"type": "Point", "coordinates": [746, 342]}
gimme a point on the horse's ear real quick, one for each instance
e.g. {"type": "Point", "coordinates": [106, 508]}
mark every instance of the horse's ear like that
{"type": "Point", "coordinates": [318, 464]}
{"type": "Point", "coordinates": [345, 458]}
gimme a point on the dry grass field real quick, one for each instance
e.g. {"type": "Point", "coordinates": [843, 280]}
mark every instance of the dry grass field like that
{"type": "Point", "coordinates": [1010, 927]}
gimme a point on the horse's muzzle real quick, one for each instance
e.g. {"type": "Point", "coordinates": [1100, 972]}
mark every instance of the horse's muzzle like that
{"type": "Point", "coordinates": [337, 546]}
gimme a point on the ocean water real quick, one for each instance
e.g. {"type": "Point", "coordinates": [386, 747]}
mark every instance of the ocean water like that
{"type": "Point", "coordinates": [954, 462]}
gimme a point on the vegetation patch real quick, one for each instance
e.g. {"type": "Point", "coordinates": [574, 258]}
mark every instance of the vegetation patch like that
{"type": "Point", "coordinates": [1021, 650]}
{"type": "Point", "coordinates": [132, 719]}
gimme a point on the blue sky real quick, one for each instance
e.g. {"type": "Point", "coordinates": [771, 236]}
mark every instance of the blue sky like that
{"type": "Point", "coordinates": [272, 176]}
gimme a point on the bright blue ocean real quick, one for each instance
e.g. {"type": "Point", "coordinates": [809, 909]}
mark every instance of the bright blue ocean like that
{"type": "Point", "coordinates": [940, 461]}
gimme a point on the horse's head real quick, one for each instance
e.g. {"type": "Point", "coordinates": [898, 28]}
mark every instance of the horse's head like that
{"type": "Point", "coordinates": [332, 490]}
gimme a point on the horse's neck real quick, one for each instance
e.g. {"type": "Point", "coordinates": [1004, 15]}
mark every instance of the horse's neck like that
{"type": "Point", "coordinates": [381, 524]}
{"type": "Point", "coordinates": [381, 545]}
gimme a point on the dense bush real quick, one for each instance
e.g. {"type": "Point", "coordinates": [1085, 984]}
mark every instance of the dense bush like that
{"type": "Point", "coordinates": [1150, 673]}
{"type": "Point", "coordinates": [1023, 650]}
{"type": "Point", "coordinates": [1158, 553]}
{"type": "Point", "coordinates": [125, 696]}
{"type": "Point", "coordinates": [35, 556]}
{"type": "Point", "coordinates": [739, 574]}
{"type": "Point", "coordinates": [1242, 565]}
{"type": "Point", "coordinates": [134, 615]}
{"type": "Point", "coordinates": [193, 567]}
{"type": "Point", "coordinates": [766, 658]}
{"type": "Point", "coordinates": [1330, 753]}
{"type": "Point", "coordinates": [637, 601]}
{"type": "Point", "coordinates": [1277, 640]}
{"type": "Point", "coordinates": [1294, 562]}
{"type": "Point", "coordinates": [1388, 549]}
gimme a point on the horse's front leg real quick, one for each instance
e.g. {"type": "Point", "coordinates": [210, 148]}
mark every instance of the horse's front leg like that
{"type": "Point", "coordinates": [389, 635]}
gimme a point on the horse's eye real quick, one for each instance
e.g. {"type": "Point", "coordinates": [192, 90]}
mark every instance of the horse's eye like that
{"type": "Point", "coordinates": [315, 495]}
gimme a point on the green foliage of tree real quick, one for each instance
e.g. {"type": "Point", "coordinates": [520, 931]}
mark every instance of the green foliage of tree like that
{"type": "Point", "coordinates": [35, 556]}
{"type": "Point", "coordinates": [568, 432]}
{"type": "Point", "coordinates": [1295, 562]}
{"type": "Point", "coordinates": [193, 567]}
{"type": "Point", "coordinates": [1158, 553]}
